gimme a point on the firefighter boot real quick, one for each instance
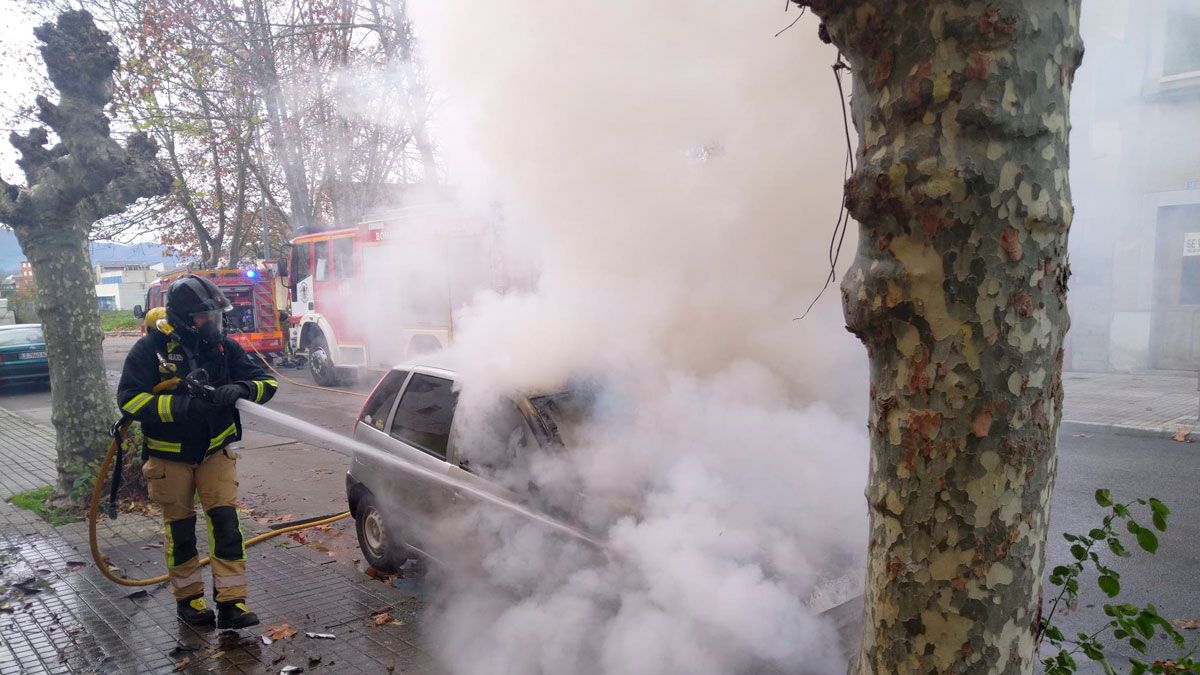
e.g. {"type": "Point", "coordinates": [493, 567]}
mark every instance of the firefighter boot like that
{"type": "Point", "coordinates": [193, 611]}
{"type": "Point", "coordinates": [233, 614]}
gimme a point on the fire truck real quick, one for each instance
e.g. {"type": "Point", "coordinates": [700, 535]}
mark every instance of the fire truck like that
{"type": "Point", "coordinates": [254, 291]}
{"type": "Point", "coordinates": [386, 289]}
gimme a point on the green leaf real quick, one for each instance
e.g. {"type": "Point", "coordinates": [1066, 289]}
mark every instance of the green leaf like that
{"type": "Point", "coordinates": [1070, 537]}
{"type": "Point", "coordinates": [1137, 667]}
{"type": "Point", "coordinates": [1117, 548]}
{"type": "Point", "coordinates": [1133, 527]}
{"type": "Point", "coordinates": [1053, 633]}
{"type": "Point", "coordinates": [1104, 497]}
{"type": "Point", "coordinates": [1121, 510]}
{"type": "Point", "coordinates": [1160, 521]}
{"type": "Point", "coordinates": [1137, 644]}
{"type": "Point", "coordinates": [1147, 540]}
{"type": "Point", "coordinates": [1159, 507]}
{"type": "Point", "coordinates": [1145, 625]}
{"type": "Point", "coordinates": [1079, 552]}
{"type": "Point", "coordinates": [1109, 585]}
{"type": "Point", "coordinates": [1097, 534]}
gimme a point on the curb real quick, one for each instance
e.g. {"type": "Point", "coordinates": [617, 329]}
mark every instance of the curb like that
{"type": "Point", "coordinates": [1071, 426]}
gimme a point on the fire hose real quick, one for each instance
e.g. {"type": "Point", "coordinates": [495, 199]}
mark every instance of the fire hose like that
{"type": "Point", "coordinates": [101, 560]}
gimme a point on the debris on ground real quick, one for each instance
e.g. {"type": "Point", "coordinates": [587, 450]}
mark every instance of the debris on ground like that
{"type": "Point", "coordinates": [286, 670]}
{"type": "Point", "coordinates": [281, 632]}
{"type": "Point", "coordinates": [1182, 435]}
{"type": "Point", "coordinates": [74, 565]}
{"type": "Point", "coordinates": [181, 650]}
{"type": "Point", "coordinates": [321, 636]}
{"type": "Point", "coordinates": [183, 663]}
{"type": "Point", "coordinates": [314, 659]}
{"type": "Point", "coordinates": [1187, 624]}
{"type": "Point", "coordinates": [381, 616]}
{"type": "Point", "coordinates": [137, 595]}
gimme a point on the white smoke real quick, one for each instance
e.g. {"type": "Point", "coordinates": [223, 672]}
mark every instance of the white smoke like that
{"type": "Point", "coordinates": [676, 170]}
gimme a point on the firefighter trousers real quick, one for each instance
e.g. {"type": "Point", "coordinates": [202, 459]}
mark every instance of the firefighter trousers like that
{"type": "Point", "coordinates": [174, 486]}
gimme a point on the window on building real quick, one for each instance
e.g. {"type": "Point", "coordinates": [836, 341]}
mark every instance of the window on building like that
{"type": "Point", "coordinates": [343, 258]}
{"type": "Point", "coordinates": [1181, 49]}
{"type": "Point", "coordinates": [423, 416]}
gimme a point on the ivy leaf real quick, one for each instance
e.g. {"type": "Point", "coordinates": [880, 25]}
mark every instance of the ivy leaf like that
{"type": "Point", "coordinates": [1104, 497]}
{"type": "Point", "coordinates": [1147, 540]}
{"type": "Point", "coordinates": [1110, 585]}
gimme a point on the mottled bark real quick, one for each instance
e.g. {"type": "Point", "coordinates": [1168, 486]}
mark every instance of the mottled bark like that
{"type": "Point", "coordinates": [958, 292]}
{"type": "Point", "coordinates": [69, 186]}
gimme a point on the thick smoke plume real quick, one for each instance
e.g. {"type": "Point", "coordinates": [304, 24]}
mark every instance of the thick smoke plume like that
{"type": "Point", "coordinates": [676, 171]}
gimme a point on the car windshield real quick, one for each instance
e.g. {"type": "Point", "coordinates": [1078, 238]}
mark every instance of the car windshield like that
{"type": "Point", "coordinates": [562, 414]}
{"type": "Point", "coordinates": [26, 335]}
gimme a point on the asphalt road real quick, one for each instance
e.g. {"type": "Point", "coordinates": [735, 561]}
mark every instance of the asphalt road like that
{"type": "Point", "coordinates": [1131, 467]}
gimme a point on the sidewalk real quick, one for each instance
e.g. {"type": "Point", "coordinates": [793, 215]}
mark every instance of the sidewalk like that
{"type": "Point", "coordinates": [1153, 403]}
{"type": "Point", "coordinates": [59, 615]}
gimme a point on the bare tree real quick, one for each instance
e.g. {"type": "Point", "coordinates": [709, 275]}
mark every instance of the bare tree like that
{"type": "Point", "coordinates": [84, 177]}
{"type": "Point", "coordinates": [958, 292]}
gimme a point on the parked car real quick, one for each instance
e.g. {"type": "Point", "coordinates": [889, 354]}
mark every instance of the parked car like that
{"type": "Point", "coordinates": [23, 354]}
{"type": "Point", "coordinates": [413, 414]}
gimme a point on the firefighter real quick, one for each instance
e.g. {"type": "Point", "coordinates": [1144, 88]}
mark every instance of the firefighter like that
{"type": "Point", "coordinates": [188, 432]}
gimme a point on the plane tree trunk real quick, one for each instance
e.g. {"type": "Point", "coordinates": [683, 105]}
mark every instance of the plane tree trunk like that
{"type": "Point", "coordinates": [958, 291]}
{"type": "Point", "coordinates": [83, 178]}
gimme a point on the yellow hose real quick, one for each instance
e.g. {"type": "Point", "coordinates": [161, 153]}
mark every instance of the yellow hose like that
{"type": "Point", "coordinates": [94, 513]}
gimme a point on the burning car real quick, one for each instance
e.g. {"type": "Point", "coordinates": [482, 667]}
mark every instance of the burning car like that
{"type": "Point", "coordinates": [413, 417]}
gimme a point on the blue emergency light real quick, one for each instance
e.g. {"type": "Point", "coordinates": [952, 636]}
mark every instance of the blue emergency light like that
{"type": "Point", "coordinates": [250, 274]}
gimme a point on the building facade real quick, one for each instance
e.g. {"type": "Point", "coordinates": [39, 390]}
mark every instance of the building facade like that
{"type": "Point", "coordinates": [1135, 176]}
{"type": "Point", "coordinates": [122, 286]}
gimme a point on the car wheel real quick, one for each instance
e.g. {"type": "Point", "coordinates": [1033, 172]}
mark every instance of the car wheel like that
{"type": "Point", "coordinates": [382, 549]}
{"type": "Point", "coordinates": [320, 364]}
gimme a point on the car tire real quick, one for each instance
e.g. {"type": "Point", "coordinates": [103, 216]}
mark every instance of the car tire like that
{"type": "Point", "coordinates": [324, 373]}
{"type": "Point", "coordinates": [380, 547]}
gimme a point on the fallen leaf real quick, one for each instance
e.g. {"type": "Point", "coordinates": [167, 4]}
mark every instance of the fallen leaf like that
{"type": "Point", "coordinates": [321, 636]}
{"type": "Point", "coordinates": [1187, 624]}
{"type": "Point", "coordinates": [216, 655]}
{"type": "Point", "coordinates": [280, 632]}
{"type": "Point", "coordinates": [73, 565]}
{"type": "Point", "coordinates": [1181, 435]}
{"type": "Point", "coordinates": [382, 618]}
{"type": "Point", "coordinates": [266, 641]}
{"type": "Point", "coordinates": [183, 663]}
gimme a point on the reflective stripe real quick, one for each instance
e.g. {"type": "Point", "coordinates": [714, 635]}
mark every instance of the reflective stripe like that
{"type": "Point", "coordinates": [229, 581]}
{"type": "Point", "coordinates": [136, 403]}
{"type": "Point", "coordinates": [163, 446]}
{"type": "Point", "coordinates": [216, 442]}
{"type": "Point", "coordinates": [170, 547]}
{"type": "Point", "coordinates": [193, 578]}
{"type": "Point", "coordinates": [164, 408]}
{"type": "Point", "coordinates": [258, 386]}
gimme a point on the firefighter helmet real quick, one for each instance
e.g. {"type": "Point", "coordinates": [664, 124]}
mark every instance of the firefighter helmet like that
{"type": "Point", "coordinates": [190, 298]}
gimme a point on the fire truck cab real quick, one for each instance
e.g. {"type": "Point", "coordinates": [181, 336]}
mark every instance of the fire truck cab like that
{"type": "Point", "coordinates": [254, 322]}
{"type": "Point", "coordinates": [386, 289]}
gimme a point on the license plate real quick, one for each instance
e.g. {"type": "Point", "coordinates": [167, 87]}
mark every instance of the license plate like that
{"type": "Point", "coordinates": [32, 355]}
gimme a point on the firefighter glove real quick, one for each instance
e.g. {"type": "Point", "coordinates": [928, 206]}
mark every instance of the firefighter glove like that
{"type": "Point", "coordinates": [200, 409]}
{"type": "Point", "coordinates": [229, 394]}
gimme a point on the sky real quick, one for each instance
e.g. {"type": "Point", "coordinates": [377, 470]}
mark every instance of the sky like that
{"type": "Point", "coordinates": [15, 89]}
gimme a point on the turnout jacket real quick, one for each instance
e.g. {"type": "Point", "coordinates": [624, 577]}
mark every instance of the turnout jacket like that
{"type": "Point", "coordinates": [174, 426]}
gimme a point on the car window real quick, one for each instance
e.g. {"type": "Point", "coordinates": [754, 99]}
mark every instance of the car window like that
{"type": "Point", "coordinates": [491, 439]}
{"type": "Point", "coordinates": [376, 410]}
{"type": "Point", "coordinates": [424, 414]}
{"type": "Point", "coordinates": [11, 337]}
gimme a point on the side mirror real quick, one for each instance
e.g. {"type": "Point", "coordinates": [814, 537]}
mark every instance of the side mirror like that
{"type": "Point", "coordinates": [138, 313]}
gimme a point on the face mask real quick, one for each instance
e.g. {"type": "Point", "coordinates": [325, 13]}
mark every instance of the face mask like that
{"type": "Point", "coordinates": [213, 330]}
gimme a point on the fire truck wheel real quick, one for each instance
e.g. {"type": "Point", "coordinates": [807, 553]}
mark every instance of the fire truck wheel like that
{"type": "Point", "coordinates": [323, 371]}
